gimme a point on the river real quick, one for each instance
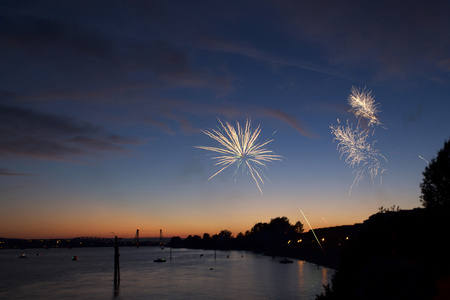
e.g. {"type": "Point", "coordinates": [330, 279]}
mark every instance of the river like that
{"type": "Point", "coordinates": [190, 274]}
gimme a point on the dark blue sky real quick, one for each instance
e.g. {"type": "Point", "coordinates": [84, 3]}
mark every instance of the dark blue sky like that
{"type": "Point", "coordinates": [103, 102]}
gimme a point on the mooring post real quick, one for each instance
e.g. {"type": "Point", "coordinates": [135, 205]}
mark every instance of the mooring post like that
{"type": "Point", "coordinates": [116, 264]}
{"type": "Point", "coordinates": [136, 238]}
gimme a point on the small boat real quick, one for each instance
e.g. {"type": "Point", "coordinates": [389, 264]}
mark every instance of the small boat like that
{"type": "Point", "coordinates": [286, 261]}
{"type": "Point", "coordinates": [23, 255]}
{"type": "Point", "coordinates": [74, 257]}
{"type": "Point", "coordinates": [159, 260]}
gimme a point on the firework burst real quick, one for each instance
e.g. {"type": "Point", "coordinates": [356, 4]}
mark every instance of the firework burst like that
{"type": "Point", "coordinates": [363, 105]}
{"type": "Point", "coordinates": [360, 154]}
{"type": "Point", "coordinates": [354, 144]}
{"type": "Point", "coordinates": [240, 147]}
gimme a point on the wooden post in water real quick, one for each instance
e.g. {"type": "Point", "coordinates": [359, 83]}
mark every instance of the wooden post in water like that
{"type": "Point", "coordinates": [136, 238]}
{"type": "Point", "coordinates": [116, 264]}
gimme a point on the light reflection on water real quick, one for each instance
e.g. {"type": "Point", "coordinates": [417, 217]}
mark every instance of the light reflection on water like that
{"type": "Point", "coordinates": [325, 277]}
{"type": "Point", "coordinates": [242, 275]}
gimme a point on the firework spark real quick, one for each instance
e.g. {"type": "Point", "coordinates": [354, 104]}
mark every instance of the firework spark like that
{"type": "Point", "coordinates": [423, 159]}
{"type": "Point", "coordinates": [312, 231]}
{"type": "Point", "coordinates": [240, 147]}
{"type": "Point", "coordinates": [360, 154]}
{"type": "Point", "coordinates": [363, 105]}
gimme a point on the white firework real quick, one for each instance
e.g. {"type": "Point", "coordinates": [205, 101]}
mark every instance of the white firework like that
{"type": "Point", "coordinates": [360, 154]}
{"type": "Point", "coordinates": [363, 105]}
{"type": "Point", "coordinates": [239, 147]}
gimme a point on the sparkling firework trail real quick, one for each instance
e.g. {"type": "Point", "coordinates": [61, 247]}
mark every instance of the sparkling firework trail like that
{"type": "Point", "coordinates": [423, 159]}
{"type": "Point", "coordinates": [312, 231]}
{"type": "Point", "coordinates": [363, 105]}
{"type": "Point", "coordinates": [240, 148]}
{"type": "Point", "coordinates": [360, 154]}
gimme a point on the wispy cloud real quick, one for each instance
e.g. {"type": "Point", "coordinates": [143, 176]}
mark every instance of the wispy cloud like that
{"type": "Point", "coordinates": [229, 46]}
{"type": "Point", "coordinates": [289, 119]}
{"type": "Point", "coordinates": [182, 112]}
{"type": "Point", "coordinates": [162, 125]}
{"type": "Point", "coordinates": [93, 61]}
{"type": "Point", "coordinates": [386, 37]}
{"type": "Point", "coordinates": [24, 132]}
{"type": "Point", "coordinates": [8, 172]}
{"type": "Point", "coordinates": [44, 35]}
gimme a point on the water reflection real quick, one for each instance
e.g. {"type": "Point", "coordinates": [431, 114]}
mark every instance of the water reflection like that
{"type": "Point", "coordinates": [116, 291]}
{"type": "Point", "coordinates": [301, 272]}
{"type": "Point", "coordinates": [325, 276]}
{"type": "Point", "coordinates": [312, 278]}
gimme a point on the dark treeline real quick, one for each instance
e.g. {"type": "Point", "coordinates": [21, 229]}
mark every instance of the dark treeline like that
{"type": "Point", "coordinates": [261, 237]}
{"type": "Point", "coordinates": [279, 238]}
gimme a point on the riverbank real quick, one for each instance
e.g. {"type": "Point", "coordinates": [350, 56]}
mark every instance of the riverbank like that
{"type": "Point", "coordinates": [329, 259]}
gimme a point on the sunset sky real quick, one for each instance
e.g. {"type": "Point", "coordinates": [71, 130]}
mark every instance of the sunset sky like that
{"type": "Point", "coordinates": [102, 105]}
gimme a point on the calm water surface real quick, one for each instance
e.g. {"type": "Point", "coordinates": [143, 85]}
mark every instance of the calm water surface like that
{"type": "Point", "coordinates": [188, 275]}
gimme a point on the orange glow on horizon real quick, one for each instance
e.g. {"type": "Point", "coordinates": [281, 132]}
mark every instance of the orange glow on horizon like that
{"type": "Point", "coordinates": [33, 229]}
{"type": "Point", "coordinates": [35, 222]}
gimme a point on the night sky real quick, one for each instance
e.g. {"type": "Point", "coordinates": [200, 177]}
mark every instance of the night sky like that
{"type": "Point", "coordinates": [102, 105]}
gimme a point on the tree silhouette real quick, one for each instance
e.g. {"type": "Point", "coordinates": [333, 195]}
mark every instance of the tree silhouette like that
{"type": "Point", "coordinates": [225, 234]}
{"type": "Point", "coordinates": [298, 227]}
{"type": "Point", "coordinates": [435, 186]}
